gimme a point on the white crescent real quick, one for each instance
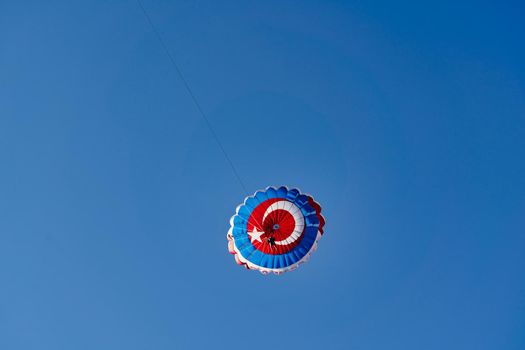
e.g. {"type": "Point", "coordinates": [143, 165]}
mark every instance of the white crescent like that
{"type": "Point", "coordinates": [297, 215]}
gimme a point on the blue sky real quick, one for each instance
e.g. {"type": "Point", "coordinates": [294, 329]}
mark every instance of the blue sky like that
{"type": "Point", "coordinates": [406, 121]}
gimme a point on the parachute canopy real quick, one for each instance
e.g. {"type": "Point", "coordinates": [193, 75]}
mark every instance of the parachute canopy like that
{"type": "Point", "coordinates": [275, 230]}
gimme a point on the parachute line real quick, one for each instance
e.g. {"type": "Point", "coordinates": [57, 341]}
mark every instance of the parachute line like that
{"type": "Point", "coordinates": [192, 95]}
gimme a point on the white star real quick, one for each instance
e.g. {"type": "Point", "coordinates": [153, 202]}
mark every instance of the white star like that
{"type": "Point", "coordinates": [256, 235]}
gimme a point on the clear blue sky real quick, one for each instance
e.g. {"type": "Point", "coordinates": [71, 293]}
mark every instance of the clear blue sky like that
{"type": "Point", "coordinates": [406, 121]}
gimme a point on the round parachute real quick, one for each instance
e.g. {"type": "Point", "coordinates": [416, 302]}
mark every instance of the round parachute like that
{"type": "Point", "coordinates": [275, 230]}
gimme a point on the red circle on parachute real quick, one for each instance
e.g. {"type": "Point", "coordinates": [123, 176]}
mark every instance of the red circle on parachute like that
{"type": "Point", "coordinates": [286, 226]}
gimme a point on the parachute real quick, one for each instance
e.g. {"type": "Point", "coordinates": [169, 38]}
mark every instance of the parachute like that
{"type": "Point", "coordinates": [275, 230]}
